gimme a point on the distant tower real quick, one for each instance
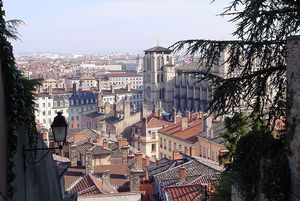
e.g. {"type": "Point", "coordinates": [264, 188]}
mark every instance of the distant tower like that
{"type": "Point", "coordinates": [159, 73]}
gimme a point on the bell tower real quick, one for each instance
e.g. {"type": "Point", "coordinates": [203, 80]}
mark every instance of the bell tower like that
{"type": "Point", "coordinates": [159, 73]}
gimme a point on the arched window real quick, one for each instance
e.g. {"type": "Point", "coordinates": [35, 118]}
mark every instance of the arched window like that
{"type": "Point", "coordinates": [158, 63]}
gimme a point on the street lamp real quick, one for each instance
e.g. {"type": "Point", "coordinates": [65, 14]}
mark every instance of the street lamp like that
{"type": "Point", "coordinates": [59, 129]}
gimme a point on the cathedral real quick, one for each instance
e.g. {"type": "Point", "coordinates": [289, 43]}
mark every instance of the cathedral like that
{"type": "Point", "coordinates": [174, 86]}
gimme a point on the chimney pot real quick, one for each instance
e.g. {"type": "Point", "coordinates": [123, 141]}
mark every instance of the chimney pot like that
{"type": "Point", "coordinates": [147, 161]}
{"type": "Point", "coordinates": [139, 160]}
{"type": "Point", "coordinates": [192, 151]}
{"type": "Point", "coordinates": [105, 143]}
{"type": "Point", "coordinates": [184, 123]}
{"type": "Point", "coordinates": [182, 173]}
{"type": "Point", "coordinates": [177, 155]}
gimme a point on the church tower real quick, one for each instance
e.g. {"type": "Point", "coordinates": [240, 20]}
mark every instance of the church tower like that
{"type": "Point", "coordinates": [159, 74]}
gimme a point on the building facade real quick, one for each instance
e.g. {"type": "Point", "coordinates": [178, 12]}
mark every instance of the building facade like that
{"type": "Point", "coordinates": [159, 75]}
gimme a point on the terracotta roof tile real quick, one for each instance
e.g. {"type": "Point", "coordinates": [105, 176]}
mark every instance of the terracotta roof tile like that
{"type": "Point", "coordinates": [185, 193]}
{"type": "Point", "coordinates": [86, 186]}
{"type": "Point", "coordinates": [189, 134]}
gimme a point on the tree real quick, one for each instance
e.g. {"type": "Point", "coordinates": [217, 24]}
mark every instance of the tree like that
{"type": "Point", "coordinates": [258, 59]}
{"type": "Point", "coordinates": [259, 54]}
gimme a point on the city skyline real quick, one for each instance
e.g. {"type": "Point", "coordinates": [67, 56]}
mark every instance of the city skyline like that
{"type": "Point", "coordinates": [113, 26]}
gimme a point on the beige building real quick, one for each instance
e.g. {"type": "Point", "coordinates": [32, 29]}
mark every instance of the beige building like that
{"type": "Point", "coordinates": [144, 134]}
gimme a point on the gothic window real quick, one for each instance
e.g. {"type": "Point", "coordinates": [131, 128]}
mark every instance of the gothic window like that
{"type": "Point", "coordinates": [158, 63]}
{"type": "Point", "coordinates": [162, 62]}
{"type": "Point", "coordinates": [148, 91]}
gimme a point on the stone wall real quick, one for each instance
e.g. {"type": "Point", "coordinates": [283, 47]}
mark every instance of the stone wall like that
{"type": "Point", "coordinates": [293, 76]}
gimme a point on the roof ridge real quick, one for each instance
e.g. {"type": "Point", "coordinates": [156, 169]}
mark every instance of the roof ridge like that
{"type": "Point", "coordinates": [75, 182]}
{"type": "Point", "coordinates": [171, 168]}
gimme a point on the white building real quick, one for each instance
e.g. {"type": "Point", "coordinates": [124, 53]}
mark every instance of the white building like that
{"type": "Point", "coordinates": [122, 79]}
{"type": "Point", "coordinates": [44, 114]}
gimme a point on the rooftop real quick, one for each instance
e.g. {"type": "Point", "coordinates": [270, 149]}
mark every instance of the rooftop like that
{"type": "Point", "coordinates": [185, 192]}
{"type": "Point", "coordinates": [158, 49]}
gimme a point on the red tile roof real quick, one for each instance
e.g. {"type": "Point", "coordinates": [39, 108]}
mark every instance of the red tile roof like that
{"type": "Point", "coordinates": [189, 134]}
{"type": "Point", "coordinates": [87, 185]}
{"type": "Point", "coordinates": [154, 121]}
{"type": "Point", "coordinates": [185, 193]}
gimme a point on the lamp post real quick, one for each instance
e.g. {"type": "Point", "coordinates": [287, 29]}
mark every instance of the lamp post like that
{"type": "Point", "coordinates": [59, 129]}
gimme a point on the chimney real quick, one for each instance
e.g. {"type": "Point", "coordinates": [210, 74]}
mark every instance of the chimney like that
{"type": "Point", "coordinates": [125, 152]}
{"type": "Point", "coordinates": [206, 125]}
{"type": "Point", "coordinates": [90, 140]}
{"type": "Point", "coordinates": [139, 160]}
{"type": "Point", "coordinates": [50, 90]}
{"type": "Point", "coordinates": [129, 87]}
{"type": "Point", "coordinates": [98, 140]}
{"type": "Point", "coordinates": [213, 183]}
{"type": "Point", "coordinates": [135, 180]}
{"type": "Point", "coordinates": [159, 111]}
{"type": "Point", "coordinates": [122, 142]}
{"type": "Point", "coordinates": [184, 123]}
{"type": "Point", "coordinates": [88, 162]}
{"type": "Point", "coordinates": [115, 113]}
{"type": "Point", "coordinates": [182, 173]}
{"type": "Point", "coordinates": [147, 161]}
{"type": "Point", "coordinates": [130, 159]}
{"type": "Point", "coordinates": [112, 89]}
{"type": "Point", "coordinates": [75, 123]}
{"type": "Point", "coordinates": [174, 115]}
{"type": "Point", "coordinates": [99, 85]}
{"type": "Point", "coordinates": [107, 108]}
{"type": "Point", "coordinates": [176, 155]}
{"type": "Point", "coordinates": [187, 150]}
{"type": "Point", "coordinates": [105, 143]}
{"type": "Point", "coordinates": [192, 151]}
{"type": "Point", "coordinates": [189, 114]}
{"type": "Point", "coordinates": [144, 110]}
{"type": "Point", "coordinates": [126, 107]}
{"type": "Point", "coordinates": [106, 186]}
{"type": "Point", "coordinates": [100, 102]}
{"type": "Point", "coordinates": [73, 155]}
{"type": "Point", "coordinates": [144, 125]}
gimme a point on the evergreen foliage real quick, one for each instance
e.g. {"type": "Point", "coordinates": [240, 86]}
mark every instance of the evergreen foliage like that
{"type": "Point", "coordinates": [19, 97]}
{"type": "Point", "coordinates": [256, 77]}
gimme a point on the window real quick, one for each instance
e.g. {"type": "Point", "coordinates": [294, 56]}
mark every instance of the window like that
{"type": "Point", "coordinates": [174, 146]}
{"type": "Point", "coordinates": [72, 102]}
{"type": "Point", "coordinates": [170, 145]}
{"type": "Point", "coordinates": [67, 102]}
{"type": "Point", "coordinates": [165, 144]}
{"type": "Point", "coordinates": [153, 147]}
{"type": "Point", "coordinates": [49, 112]}
{"type": "Point", "coordinates": [180, 147]}
{"type": "Point", "coordinates": [153, 135]}
{"type": "Point", "coordinates": [44, 113]}
{"type": "Point", "coordinates": [61, 103]}
{"type": "Point", "coordinates": [87, 101]}
{"type": "Point", "coordinates": [55, 103]}
{"type": "Point", "coordinates": [44, 105]}
{"type": "Point", "coordinates": [160, 143]}
{"type": "Point", "coordinates": [49, 104]}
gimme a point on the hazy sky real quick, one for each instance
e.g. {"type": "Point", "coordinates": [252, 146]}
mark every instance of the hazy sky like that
{"type": "Point", "coordinates": [102, 26]}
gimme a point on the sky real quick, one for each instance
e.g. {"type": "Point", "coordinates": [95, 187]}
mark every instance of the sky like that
{"type": "Point", "coordinates": [104, 26]}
